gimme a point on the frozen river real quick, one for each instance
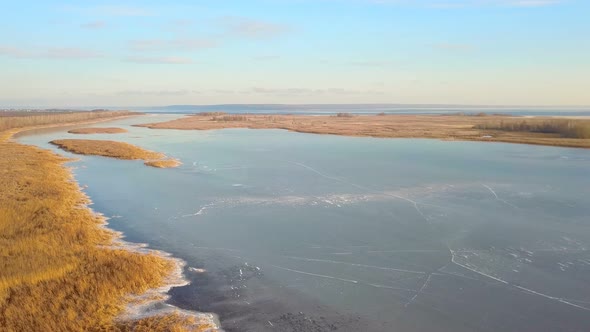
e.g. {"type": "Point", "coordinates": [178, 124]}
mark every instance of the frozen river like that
{"type": "Point", "coordinates": [300, 232]}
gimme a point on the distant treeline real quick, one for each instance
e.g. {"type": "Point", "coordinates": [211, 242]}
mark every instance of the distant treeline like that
{"type": "Point", "coordinates": [343, 115]}
{"type": "Point", "coordinates": [9, 122]}
{"type": "Point", "coordinates": [564, 127]}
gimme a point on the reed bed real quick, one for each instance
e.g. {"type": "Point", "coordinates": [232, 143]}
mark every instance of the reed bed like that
{"type": "Point", "coordinates": [479, 127]}
{"type": "Point", "coordinates": [95, 130]}
{"type": "Point", "coordinates": [230, 117]}
{"type": "Point", "coordinates": [60, 270]}
{"type": "Point", "coordinates": [10, 122]}
{"type": "Point", "coordinates": [166, 163]}
{"type": "Point", "coordinates": [114, 149]}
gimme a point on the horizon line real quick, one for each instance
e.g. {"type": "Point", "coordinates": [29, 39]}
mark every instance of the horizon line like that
{"type": "Point", "coordinates": [397, 105]}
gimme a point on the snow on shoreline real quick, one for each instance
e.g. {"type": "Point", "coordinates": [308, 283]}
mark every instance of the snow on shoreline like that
{"type": "Point", "coordinates": [153, 301]}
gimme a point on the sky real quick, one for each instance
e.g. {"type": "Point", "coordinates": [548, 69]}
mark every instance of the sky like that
{"type": "Point", "coordinates": [149, 53]}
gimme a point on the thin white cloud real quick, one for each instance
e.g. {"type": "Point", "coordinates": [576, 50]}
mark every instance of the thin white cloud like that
{"type": "Point", "coordinates": [71, 53]}
{"type": "Point", "coordinates": [268, 57]}
{"type": "Point", "coordinates": [464, 3]}
{"type": "Point", "coordinates": [453, 47]}
{"type": "Point", "coordinates": [13, 52]}
{"type": "Point", "coordinates": [124, 11]}
{"type": "Point", "coordinates": [231, 28]}
{"type": "Point", "coordinates": [308, 91]}
{"type": "Point", "coordinates": [147, 45]}
{"type": "Point", "coordinates": [110, 10]}
{"type": "Point", "coordinates": [160, 60]}
{"type": "Point", "coordinates": [368, 63]}
{"type": "Point", "coordinates": [94, 25]}
{"type": "Point", "coordinates": [49, 53]}
{"type": "Point", "coordinates": [253, 29]}
{"type": "Point", "coordinates": [181, 23]}
{"type": "Point", "coordinates": [534, 3]}
{"type": "Point", "coordinates": [180, 92]}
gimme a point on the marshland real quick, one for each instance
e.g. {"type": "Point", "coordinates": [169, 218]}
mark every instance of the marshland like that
{"type": "Point", "coordinates": [295, 166]}
{"type": "Point", "coordinates": [114, 149]}
{"type": "Point", "coordinates": [274, 230]}
{"type": "Point", "coordinates": [61, 269]}
{"type": "Point", "coordinates": [10, 120]}
{"type": "Point", "coordinates": [482, 127]}
{"type": "Point", "coordinates": [87, 131]}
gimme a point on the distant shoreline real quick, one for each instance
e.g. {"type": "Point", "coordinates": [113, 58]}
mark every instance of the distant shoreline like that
{"type": "Point", "coordinates": [357, 108]}
{"type": "Point", "coordinates": [483, 128]}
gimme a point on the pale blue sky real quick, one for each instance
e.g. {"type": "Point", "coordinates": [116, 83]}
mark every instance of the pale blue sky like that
{"type": "Point", "coordinates": [140, 53]}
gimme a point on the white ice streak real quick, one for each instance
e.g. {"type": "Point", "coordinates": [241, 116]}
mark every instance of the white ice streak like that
{"type": "Point", "coordinates": [354, 264]}
{"type": "Point", "coordinates": [561, 300]}
{"type": "Point", "coordinates": [416, 207]}
{"type": "Point", "coordinates": [356, 282]}
{"type": "Point", "coordinates": [200, 212]}
{"type": "Point", "coordinates": [498, 198]}
{"type": "Point", "coordinates": [231, 168]}
{"type": "Point", "coordinates": [414, 203]}
{"type": "Point", "coordinates": [216, 248]}
{"type": "Point", "coordinates": [424, 285]}
{"type": "Point", "coordinates": [527, 290]}
{"type": "Point", "coordinates": [404, 250]}
{"type": "Point", "coordinates": [319, 173]}
{"type": "Point", "coordinates": [474, 270]}
{"type": "Point", "coordinates": [315, 274]}
{"type": "Point", "coordinates": [409, 290]}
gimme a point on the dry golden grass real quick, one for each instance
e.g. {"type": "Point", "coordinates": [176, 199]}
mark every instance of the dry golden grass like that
{"type": "Point", "coordinates": [10, 122]}
{"type": "Point", "coordinates": [97, 131]}
{"type": "Point", "coordinates": [166, 163]}
{"type": "Point", "coordinates": [113, 149]}
{"type": "Point", "coordinates": [449, 127]}
{"type": "Point", "coordinates": [170, 322]}
{"type": "Point", "coordinates": [59, 269]}
{"type": "Point", "coordinates": [230, 117]}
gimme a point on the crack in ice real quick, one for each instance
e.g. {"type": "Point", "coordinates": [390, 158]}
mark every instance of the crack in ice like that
{"type": "Point", "coordinates": [354, 264]}
{"type": "Point", "coordinates": [424, 285]}
{"type": "Point", "coordinates": [527, 290]}
{"type": "Point", "coordinates": [498, 198]}
{"type": "Point", "coordinates": [315, 274]}
{"type": "Point", "coordinates": [416, 207]}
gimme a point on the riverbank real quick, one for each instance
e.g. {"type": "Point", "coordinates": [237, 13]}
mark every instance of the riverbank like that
{"type": "Point", "coordinates": [62, 270]}
{"type": "Point", "coordinates": [445, 127]}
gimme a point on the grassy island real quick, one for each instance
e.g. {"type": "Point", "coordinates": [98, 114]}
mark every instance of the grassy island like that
{"type": "Point", "coordinates": [60, 269]}
{"type": "Point", "coordinates": [113, 149]}
{"type": "Point", "coordinates": [480, 127]}
{"type": "Point", "coordinates": [91, 130]}
{"type": "Point", "coordinates": [166, 163]}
